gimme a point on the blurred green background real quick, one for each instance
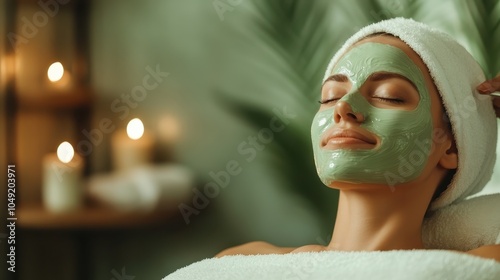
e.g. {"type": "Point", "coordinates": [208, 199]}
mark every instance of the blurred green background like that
{"type": "Point", "coordinates": [231, 65]}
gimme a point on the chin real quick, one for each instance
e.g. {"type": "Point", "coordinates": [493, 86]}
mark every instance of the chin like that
{"type": "Point", "coordinates": [347, 185]}
{"type": "Point", "coordinates": [338, 184]}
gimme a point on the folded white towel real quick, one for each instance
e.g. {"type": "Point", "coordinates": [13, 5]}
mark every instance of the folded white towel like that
{"type": "Point", "coordinates": [386, 265]}
{"type": "Point", "coordinates": [464, 226]}
{"type": "Point", "coordinates": [143, 188]}
{"type": "Point", "coordinates": [456, 75]}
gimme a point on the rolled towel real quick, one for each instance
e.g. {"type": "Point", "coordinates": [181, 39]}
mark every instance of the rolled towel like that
{"type": "Point", "coordinates": [464, 226]}
{"type": "Point", "coordinates": [456, 75]}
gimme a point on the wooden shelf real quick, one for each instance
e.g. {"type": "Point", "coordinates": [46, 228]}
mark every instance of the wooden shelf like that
{"type": "Point", "coordinates": [35, 2]}
{"type": "Point", "coordinates": [89, 218]}
{"type": "Point", "coordinates": [75, 99]}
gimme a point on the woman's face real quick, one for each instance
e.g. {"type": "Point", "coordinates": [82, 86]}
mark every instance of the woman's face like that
{"type": "Point", "coordinates": [380, 120]}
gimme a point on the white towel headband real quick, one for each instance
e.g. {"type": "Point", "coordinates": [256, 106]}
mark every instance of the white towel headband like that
{"type": "Point", "coordinates": [456, 75]}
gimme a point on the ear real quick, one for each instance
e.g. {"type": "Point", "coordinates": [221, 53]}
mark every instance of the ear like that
{"type": "Point", "coordinates": [449, 159]}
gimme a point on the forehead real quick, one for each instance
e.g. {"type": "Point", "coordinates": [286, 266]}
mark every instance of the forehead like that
{"type": "Point", "coordinates": [372, 58]}
{"type": "Point", "coordinates": [388, 40]}
{"type": "Point", "coordinates": [396, 42]}
{"type": "Point", "coordinates": [415, 58]}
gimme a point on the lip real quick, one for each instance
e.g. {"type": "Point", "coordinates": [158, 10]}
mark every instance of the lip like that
{"type": "Point", "coordinates": [348, 138]}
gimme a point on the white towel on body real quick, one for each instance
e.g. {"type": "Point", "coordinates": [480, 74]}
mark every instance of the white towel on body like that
{"type": "Point", "coordinates": [386, 265]}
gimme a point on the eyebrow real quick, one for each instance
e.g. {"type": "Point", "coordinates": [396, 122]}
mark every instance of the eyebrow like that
{"type": "Point", "coordinates": [337, 78]}
{"type": "Point", "coordinates": [378, 76]}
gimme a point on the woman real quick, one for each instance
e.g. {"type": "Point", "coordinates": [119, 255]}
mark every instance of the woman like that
{"type": "Point", "coordinates": [394, 133]}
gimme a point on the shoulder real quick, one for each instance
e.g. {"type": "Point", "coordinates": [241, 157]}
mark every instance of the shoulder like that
{"type": "Point", "coordinates": [488, 251]}
{"type": "Point", "coordinates": [255, 248]}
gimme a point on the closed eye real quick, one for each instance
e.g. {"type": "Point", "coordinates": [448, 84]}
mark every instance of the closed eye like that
{"type": "Point", "coordinates": [328, 101]}
{"type": "Point", "coordinates": [390, 100]}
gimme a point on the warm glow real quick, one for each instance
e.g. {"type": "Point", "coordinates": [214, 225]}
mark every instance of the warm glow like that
{"type": "Point", "coordinates": [169, 128]}
{"type": "Point", "coordinates": [65, 152]}
{"type": "Point", "coordinates": [55, 72]}
{"type": "Point", "coordinates": [135, 129]}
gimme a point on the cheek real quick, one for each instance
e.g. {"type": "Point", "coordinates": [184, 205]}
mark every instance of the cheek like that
{"type": "Point", "coordinates": [401, 132]}
{"type": "Point", "coordinates": [321, 122]}
{"type": "Point", "coordinates": [390, 123]}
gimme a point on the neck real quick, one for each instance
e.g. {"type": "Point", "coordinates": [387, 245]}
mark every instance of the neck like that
{"type": "Point", "coordinates": [370, 219]}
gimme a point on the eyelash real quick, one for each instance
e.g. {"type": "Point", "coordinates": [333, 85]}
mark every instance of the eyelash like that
{"type": "Point", "coordinates": [388, 100]}
{"type": "Point", "coordinates": [328, 101]}
{"type": "Point", "coordinates": [391, 100]}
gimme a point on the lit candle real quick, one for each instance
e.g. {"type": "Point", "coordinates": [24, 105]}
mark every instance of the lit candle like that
{"type": "Point", "coordinates": [57, 76]}
{"type": "Point", "coordinates": [132, 147]}
{"type": "Point", "coordinates": [62, 185]}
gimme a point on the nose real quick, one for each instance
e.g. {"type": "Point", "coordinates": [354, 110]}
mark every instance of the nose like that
{"type": "Point", "coordinates": [344, 111]}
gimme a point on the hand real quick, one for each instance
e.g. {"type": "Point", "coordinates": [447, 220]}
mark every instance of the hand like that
{"type": "Point", "coordinates": [490, 86]}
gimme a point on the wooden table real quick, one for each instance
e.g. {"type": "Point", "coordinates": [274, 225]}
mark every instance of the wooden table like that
{"type": "Point", "coordinates": [93, 217]}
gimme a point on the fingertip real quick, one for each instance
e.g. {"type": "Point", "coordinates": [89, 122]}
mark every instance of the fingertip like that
{"type": "Point", "coordinates": [482, 91]}
{"type": "Point", "coordinates": [485, 88]}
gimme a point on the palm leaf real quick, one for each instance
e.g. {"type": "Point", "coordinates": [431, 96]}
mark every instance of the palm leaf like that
{"type": "Point", "coordinates": [485, 32]}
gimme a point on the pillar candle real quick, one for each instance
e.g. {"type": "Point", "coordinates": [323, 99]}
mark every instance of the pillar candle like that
{"type": "Point", "coordinates": [59, 79]}
{"type": "Point", "coordinates": [133, 147]}
{"type": "Point", "coordinates": [62, 188]}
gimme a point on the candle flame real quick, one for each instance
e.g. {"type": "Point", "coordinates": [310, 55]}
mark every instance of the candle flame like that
{"type": "Point", "coordinates": [65, 152]}
{"type": "Point", "coordinates": [135, 129]}
{"type": "Point", "coordinates": [55, 72]}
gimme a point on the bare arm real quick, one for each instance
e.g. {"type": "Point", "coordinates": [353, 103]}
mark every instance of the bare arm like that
{"type": "Point", "coordinates": [488, 251]}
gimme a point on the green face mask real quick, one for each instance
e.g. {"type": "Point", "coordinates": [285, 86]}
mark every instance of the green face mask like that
{"type": "Point", "coordinates": [405, 136]}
